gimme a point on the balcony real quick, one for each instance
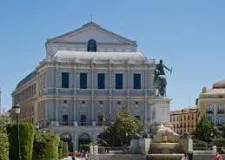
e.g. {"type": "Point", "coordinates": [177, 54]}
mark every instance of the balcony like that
{"type": "Point", "coordinates": [209, 111]}
{"type": "Point", "coordinates": [220, 111]}
{"type": "Point", "coordinates": [84, 124]}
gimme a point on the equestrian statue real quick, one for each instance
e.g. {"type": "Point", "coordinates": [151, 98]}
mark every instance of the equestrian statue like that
{"type": "Point", "coordinates": [160, 78]}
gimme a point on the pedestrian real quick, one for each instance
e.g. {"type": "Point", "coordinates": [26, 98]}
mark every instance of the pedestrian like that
{"type": "Point", "coordinates": [184, 157]}
{"type": "Point", "coordinates": [190, 156]}
{"type": "Point", "coordinates": [218, 156]}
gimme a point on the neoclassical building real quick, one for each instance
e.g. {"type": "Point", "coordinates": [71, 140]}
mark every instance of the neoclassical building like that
{"type": "Point", "coordinates": [211, 103]}
{"type": "Point", "coordinates": [87, 76]}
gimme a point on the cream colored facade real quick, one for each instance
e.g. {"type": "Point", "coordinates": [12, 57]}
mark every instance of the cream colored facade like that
{"type": "Point", "coordinates": [184, 120]}
{"type": "Point", "coordinates": [211, 103]}
{"type": "Point", "coordinates": [87, 76]}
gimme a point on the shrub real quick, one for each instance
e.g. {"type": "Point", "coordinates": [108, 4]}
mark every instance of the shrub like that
{"type": "Point", "coordinates": [26, 132]}
{"type": "Point", "coordinates": [65, 149]}
{"type": "Point", "coordinates": [4, 147]}
{"type": "Point", "coordinates": [60, 150]}
{"type": "Point", "coordinates": [46, 146]}
{"type": "Point", "coordinates": [199, 145]}
{"type": "Point", "coordinates": [219, 142]}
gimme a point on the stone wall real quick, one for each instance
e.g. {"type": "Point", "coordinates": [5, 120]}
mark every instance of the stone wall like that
{"type": "Point", "coordinates": [117, 157]}
{"type": "Point", "coordinates": [142, 157]}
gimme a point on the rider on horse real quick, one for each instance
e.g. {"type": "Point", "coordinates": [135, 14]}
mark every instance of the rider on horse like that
{"type": "Point", "coordinates": [160, 73]}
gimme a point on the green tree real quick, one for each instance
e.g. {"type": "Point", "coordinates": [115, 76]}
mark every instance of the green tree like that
{"type": "Point", "coordinates": [46, 146]}
{"type": "Point", "coordinates": [223, 130]}
{"type": "Point", "coordinates": [26, 140]}
{"type": "Point", "coordinates": [65, 151]}
{"type": "Point", "coordinates": [4, 147]}
{"type": "Point", "coordinates": [124, 129]}
{"type": "Point", "coordinates": [4, 121]}
{"type": "Point", "coordinates": [204, 130]}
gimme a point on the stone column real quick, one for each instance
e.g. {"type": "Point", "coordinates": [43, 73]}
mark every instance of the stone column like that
{"type": "Point", "coordinates": [128, 86]}
{"type": "Point", "coordinates": [57, 99]}
{"type": "Point", "coordinates": [110, 90]}
{"type": "Point", "coordinates": [75, 142]}
{"type": "Point", "coordinates": [92, 94]}
{"type": "Point", "coordinates": [74, 96]}
{"type": "Point", "coordinates": [146, 95]}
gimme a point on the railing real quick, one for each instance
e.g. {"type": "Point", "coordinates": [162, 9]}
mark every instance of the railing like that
{"type": "Point", "coordinates": [88, 91]}
{"type": "Point", "coordinates": [84, 124]}
{"type": "Point", "coordinates": [209, 111]}
{"type": "Point", "coordinates": [114, 150]}
{"type": "Point", "coordinates": [220, 111]}
{"type": "Point", "coordinates": [65, 124]}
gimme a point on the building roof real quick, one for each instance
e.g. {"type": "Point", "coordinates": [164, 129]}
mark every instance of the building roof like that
{"type": "Point", "coordinates": [215, 91]}
{"type": "Point", "coordinates": [27, 78]}
{"type": "Point", "coordinates": [101, 55]}
{"type": "Point", "coordinates": [219, 84]}
{"type": "Point", "coordinates": [92, 24]}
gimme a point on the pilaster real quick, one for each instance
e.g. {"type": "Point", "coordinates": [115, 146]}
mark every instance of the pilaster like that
{"type": "Point", "coordinates": [110, 90]}
{"type": "Point", "coordinates": [92, 92]}
{"type": "Point", "coordinates": [74, 96]}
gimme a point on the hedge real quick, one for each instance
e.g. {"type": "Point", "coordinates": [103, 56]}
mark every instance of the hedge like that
{"type": "Point", "coordinates": [26, 140]}
{"type": "Point", "coordinates": [60, 150]}
{"type": "Point", "coordinates": [65, 150]}
{"type": "Point", "coordinates": [4, 147]}
{"type": "Point", "coordinates": [219, 142]}
{"type": "Point", "coordinates": [46, 146]}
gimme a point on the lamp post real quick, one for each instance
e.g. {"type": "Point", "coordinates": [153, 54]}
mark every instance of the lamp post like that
{"type": "Point", "coordinates": [17, 111]}
{"type": "Point", "coordinates": [37, 126]}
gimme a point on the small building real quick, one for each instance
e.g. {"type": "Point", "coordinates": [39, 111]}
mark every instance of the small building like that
{"type": "Point", "coordinates": [184, 120]}
{"type": "Point", "coordinates": [211, 103]}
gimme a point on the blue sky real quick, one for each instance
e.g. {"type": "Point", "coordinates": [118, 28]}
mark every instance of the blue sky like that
{"type": "Point", "coordinates": [187, 35]}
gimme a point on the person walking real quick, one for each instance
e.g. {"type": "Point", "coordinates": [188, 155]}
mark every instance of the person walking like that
{"type": "Point", "coordinates": [218, 156]}
{"type": "Point", "coordinates": [184, 157]}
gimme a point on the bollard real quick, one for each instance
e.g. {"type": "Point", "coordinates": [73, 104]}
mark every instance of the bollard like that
{"type": "Point", "coordinates": [214, 149]}
{"type": "Point", "coordinates": [91, 149]}
{"type": "Point", "coordinates": [95, 149]}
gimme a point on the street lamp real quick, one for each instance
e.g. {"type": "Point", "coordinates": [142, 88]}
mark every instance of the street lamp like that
{"type": "Point", "coordinates": [17, 111]}
{"type": "Point", "coordinates": [37, 126]}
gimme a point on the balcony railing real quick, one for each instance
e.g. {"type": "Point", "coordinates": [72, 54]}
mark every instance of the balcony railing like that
{"type": "Point", "coordinates": [209, 111]}
{"type": "Point", "coordinates": [220, 111]}
{"type": "Point", "coordinates": [88, 91]}
{"type": "Point", "coordinates": [84, 124]}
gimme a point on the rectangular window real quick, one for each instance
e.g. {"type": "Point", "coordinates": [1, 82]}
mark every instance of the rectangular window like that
{"type": "Point", "coordinates": [101, 80]}
{"type": "Point", "coordinates": [220, 120]}
{"type": "Point", "coordinates": [119, 81]}
{"type": "Point", "coordinates": [210, 119]}
{"type": "Point", "coordinates": [65, 120]}
{"type": "Point", "coordinates": [83, 80]}
{"type": "Point", "coordinates": [209, 108]}
{"type": "Point", "coordinates": [65, 80]}
{"type": "Point", "coordinates": [137, 81]}
{"type": "Point", "coordinates": [83, 120]}
{"type": "Point", "coordinates": [220, 108]}
{"type": "Point", "coordinates": [137, 117]}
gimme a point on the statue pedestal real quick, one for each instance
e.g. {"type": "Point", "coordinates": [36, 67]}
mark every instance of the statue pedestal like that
{"type": "Point", "coordinates": [160, 109]}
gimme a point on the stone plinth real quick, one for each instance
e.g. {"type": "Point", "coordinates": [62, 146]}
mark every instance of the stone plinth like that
{"type": "Point", "coordinates": [144, 144]}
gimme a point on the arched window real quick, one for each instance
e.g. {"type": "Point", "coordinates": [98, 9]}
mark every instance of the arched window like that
{"type": "Point", "coordinates": [92, 46]}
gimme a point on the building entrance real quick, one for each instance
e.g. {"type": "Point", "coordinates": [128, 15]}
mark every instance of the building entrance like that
{"type": "Point", "coordinates": [84, 140]}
